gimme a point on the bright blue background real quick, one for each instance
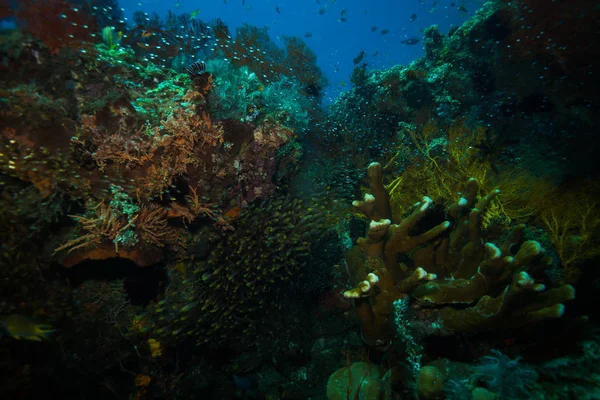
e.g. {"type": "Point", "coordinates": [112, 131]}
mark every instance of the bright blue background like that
{"type": "Point", "coordinates": [335, 43]}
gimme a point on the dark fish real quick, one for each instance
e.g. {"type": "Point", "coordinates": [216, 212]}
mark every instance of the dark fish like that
{"type": "Point", "coordinates": [462, 9]}
{"type": "Point", "coordinates": [412, 18]}
{"type": "Point", "coordinates": [342, 19]}
{"type": "Point", "coordinates": [322, 10]}
{"type": "Point", "coordinates": [373, 29]}
{"type": "Point", "coordinates": [385, 31]}
{"type": "Point", "coordinates": [375, 54]}
{"type": "Point", "coordinates": [243, 2]}
{"type": "Point", "coordinates": [411, 41]}
{"type": "Point", "coordinates": [277, 9]}
{"type": "Point", "coordinates": [343, 13]}
{"type": "Point", "coordinates": [196, 68]}
{"type": "Point", "coordinates": [359, 57]}
{"type": "Point", "coordinates": [308, 34]}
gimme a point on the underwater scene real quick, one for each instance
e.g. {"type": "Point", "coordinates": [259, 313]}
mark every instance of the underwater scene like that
{"type": "Point", "coordinates": [299, 200]}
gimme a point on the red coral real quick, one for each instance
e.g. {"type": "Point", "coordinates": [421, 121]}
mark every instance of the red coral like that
{"type": "Point", "coordinates": [57, 23]}
{"type": "Point", "coordinates": [301, 62]}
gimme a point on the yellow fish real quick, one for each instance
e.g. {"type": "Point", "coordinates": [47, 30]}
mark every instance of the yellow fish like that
{"type": "Point", "coordinates": [194, 13]}
{"type": "Point", "coordinates": [21, 327]}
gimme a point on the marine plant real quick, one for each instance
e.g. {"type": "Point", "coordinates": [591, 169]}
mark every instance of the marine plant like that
{"type": "Point", "coordinates": [111, 38]}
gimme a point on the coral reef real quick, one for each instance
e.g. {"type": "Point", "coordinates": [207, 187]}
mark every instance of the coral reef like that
{"type": "Point", "coordinates": [176, 204]}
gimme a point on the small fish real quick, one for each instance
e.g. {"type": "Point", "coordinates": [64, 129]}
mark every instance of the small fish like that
{"type": "Point", "coordinates": [462, 9]}
{"type": "Point", "coordinates": [146, 34]}
{"type": "Point", "coordinates": [308, 35]}
{"type": "Point", "coordinates": [342, 19]}
{"type": "Point", "coordinates": [322, 10]}
{"type": "Point", "coordinates": [21, 327]}
{"type": "Point", "coordinates": [194, 13]}
{"type": "Point", "coordinates": [374, 54]}
{"type": "Point", "coordinates": [277, 9]}
{"type": "Point", "coordinates": [342, 83]}
{"type": "Point", "coordinates": [373, 29]}
{"type": "Point", "coordinates": [177, 5]}
{"type": "Point", "coordinates": [412, 18]}
{"type": "Point", "coordinates": [343, 13]}
{"type": "Point", "coordinates": [385, 31]}
{"type": "Point", "coordinates": [359, 57]}
{"type": "Point", "coordinates": [411, 41]}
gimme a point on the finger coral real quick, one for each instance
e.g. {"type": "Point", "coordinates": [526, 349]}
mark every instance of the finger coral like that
{"type": "Point", "coordinates": [467, 284]}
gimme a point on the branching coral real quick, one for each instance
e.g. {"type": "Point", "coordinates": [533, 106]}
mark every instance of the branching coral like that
{"type": "Point", "coordinates": [451, 266]}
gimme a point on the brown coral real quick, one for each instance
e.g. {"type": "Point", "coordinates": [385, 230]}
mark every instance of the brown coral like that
{"type": "Point", "coordinates": [451, 265]}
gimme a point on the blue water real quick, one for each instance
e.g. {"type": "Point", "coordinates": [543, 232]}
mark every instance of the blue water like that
{"type": "Point", "coordinates": [335, 43]}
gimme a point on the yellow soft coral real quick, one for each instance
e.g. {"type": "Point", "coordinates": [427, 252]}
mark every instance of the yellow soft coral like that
{"type": "Point", "coordinates": [155, 348]}
{"type": "Point", "coordinates": [573, 220]}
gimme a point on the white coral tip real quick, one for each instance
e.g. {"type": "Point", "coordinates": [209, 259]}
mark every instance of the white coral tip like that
{"type": "Point", "coordinates": [419, 273]}
{"type": "Point", "coordinates": [372, 278]}
{"type": "Point", "coordinates": [493, 251]}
